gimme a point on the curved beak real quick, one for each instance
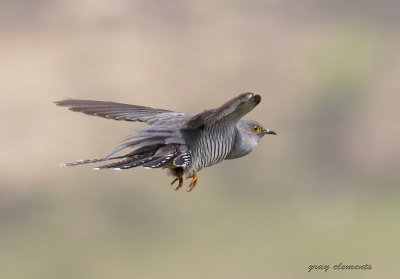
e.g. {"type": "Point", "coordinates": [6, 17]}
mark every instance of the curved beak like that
{"type": "Point", "coordinates": [268, 132]}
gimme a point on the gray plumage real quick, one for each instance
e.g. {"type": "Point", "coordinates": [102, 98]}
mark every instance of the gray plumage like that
{"type": "Point", "coordinates": [181, 142]}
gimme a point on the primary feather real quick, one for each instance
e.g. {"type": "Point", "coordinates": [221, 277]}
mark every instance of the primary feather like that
{"type": "Point", "coordinates": [119, 111]}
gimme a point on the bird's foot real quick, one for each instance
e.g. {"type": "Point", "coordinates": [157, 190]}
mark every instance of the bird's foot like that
{"type": "Point", "coordinates": [180, 182]}
{"type": "Point", "coordinates": [195, 178]}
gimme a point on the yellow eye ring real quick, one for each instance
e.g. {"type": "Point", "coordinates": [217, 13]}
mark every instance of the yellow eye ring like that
{"type": "Point", "coordinates": [255, 128]}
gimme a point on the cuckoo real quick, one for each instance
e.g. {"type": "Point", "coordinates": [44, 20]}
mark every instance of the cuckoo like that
{"type": "Point", "coordinates": [179, 142]}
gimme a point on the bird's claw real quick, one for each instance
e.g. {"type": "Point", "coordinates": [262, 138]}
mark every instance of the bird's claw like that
{"type": "Point", "coordinates": [180, 182]}
{"type": "Point", "coordinates": [195, 178]}
{"type": "Point", "coordinates": [192, 184]}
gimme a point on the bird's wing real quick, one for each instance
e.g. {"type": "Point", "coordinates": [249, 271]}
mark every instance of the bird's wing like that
{"type": "Point", "coordinates": [233, 109]}
{"type": "Point", "coordinates": [118, 111]}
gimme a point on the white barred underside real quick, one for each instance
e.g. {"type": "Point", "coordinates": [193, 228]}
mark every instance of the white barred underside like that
{"type": "Point", "coordinates": [214, 145]}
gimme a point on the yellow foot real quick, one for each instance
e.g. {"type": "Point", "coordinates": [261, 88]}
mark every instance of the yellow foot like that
{"type": "Point", "coordinates": [180, 182]}
{"type": "Point", "coordinates": [193, 183]}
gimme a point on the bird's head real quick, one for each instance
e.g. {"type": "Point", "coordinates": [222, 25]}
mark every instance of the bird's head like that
{"type": "Point", "coordinates": [253, 129]}
{"type": "Point", "coordinates": [248, 134]}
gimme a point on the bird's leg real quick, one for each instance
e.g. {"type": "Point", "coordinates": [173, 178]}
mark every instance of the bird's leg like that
{"type": "Point", "coordinates": [193, 183]}
{"type": "Point", "coordinates": [180, 182]}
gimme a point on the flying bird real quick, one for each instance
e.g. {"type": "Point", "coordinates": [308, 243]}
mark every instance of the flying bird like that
{"type": "Point", "coordinates": [179, 142]}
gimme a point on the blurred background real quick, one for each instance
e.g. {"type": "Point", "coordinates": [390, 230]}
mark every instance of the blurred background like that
{"type": "Point", "coordinates": [325, 190]}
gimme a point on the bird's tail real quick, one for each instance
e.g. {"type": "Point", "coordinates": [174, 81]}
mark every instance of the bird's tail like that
{"type": "Point", "coordinates": [89, 161]}
{"type": "Point", "coordinates": [155, 147]}
{"type": "Point", "coordinates": [146, 160]}
{"type": "Point", "coordinates": [150, 160]}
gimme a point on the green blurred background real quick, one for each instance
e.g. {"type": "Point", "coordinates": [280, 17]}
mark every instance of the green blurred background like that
{"type": "Point", "coordinates": [324, 191]}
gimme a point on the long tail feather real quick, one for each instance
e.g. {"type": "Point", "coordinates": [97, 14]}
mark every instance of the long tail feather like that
{"type": "Point", "coordinates": [89, 161]}
{"type": "Point", "coordinates": [154, 147]}
{"type": "Point", "coordinates": [126, 164]}
{"type": "Point", "coordinates": [158, 162]}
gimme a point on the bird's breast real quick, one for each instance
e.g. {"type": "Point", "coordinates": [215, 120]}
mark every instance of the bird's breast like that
{"type": "Point", "coordinates": [212, 146]}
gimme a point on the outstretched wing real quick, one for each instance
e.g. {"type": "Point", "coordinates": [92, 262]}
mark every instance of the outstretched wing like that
{"type": "Point", "coordinates": [233, 109]}
{"type": "Point", "coordinates": [118, 111]}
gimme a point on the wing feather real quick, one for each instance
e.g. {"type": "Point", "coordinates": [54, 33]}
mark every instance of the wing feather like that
{"type": "Point", "coordinates": [119, 111]}
{"type": "Point", "coordinates": [234, 109]}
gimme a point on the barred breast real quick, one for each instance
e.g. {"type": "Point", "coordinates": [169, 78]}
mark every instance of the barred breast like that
{"type": "Point", "coordinates": [213, 145]}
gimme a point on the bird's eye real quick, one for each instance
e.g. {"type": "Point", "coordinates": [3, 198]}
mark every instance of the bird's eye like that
{"type": "Point", "coordinates": [255, 128]}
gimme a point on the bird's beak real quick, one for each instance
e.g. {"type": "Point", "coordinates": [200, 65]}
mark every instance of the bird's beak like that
{"type": "Point", "coordinates": [268, 132]}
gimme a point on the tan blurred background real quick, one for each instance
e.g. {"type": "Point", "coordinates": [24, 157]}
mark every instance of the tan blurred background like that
{"type": "Point", "coordinates": [324, 191]}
